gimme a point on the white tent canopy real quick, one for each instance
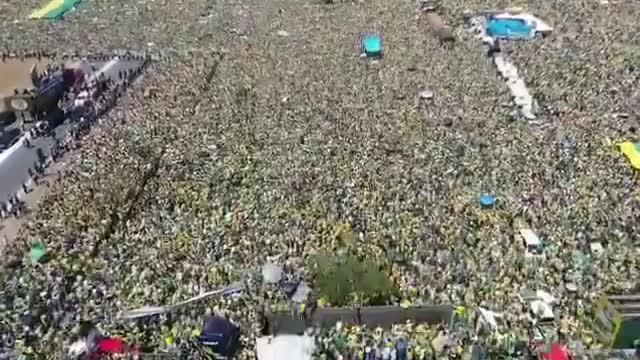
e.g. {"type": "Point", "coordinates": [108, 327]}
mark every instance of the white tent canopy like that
{"type": "Point", "coordinates": [285, 347]}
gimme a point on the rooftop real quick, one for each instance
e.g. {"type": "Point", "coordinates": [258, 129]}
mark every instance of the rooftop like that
{"type": "Point", "coordinates": [15, 73]}
{"type": "Point", "coordinates": [627, 305]}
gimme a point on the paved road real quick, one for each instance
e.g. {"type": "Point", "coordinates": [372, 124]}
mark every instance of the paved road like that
{"type": "Point", "coordinates": [16, 161]}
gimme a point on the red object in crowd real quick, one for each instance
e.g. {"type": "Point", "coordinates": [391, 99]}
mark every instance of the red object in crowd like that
{"type": "Point", "coordinates": [112, 346]}
{"type": "Point", "coordinates": [558, 352]}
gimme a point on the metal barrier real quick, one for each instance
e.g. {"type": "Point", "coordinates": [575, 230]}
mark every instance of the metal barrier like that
{"type": "Point", "coordinates": [371, 316]}
{"type": "Point", "coordinates": [156, 356]}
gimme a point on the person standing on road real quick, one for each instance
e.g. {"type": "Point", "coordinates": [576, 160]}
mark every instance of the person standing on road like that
{"type": "Point", "coordinates": [40, 155]}
{"type": "Point", "coordinates": [33, 176]}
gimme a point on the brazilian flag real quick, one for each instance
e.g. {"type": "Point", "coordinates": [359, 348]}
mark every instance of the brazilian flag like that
{"type": "Point", "coordinates": [632, 152]}
{"type": "Point", "coordinates": [54, 10]}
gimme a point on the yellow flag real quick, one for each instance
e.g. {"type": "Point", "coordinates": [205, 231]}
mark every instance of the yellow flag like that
{"type": "Point", "coordinates": [632, 152]}
{"type": "Point", "coordinates": [168, 340]}
{"type": "Point", "coordinates": [322, 302]}
{"type": "Point", "coordinates": [48, 8]}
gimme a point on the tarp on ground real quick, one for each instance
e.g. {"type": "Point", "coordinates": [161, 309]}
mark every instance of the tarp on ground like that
{"type": "Point", "coordinates": [54, 10]}
{"type": "Point", "coordinates": [285, 347]}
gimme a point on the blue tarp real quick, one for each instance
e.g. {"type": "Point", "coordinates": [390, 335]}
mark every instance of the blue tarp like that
{"type": "Point", "coordinates": [372, 45]}
{"type": "Point", "coordinates": [509, 29]}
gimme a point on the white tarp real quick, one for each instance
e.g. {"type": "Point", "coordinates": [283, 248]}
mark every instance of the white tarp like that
{"type": "Point", "coordinates": [542, 310]}
{"type": "Point", "coordinates": [271, 273]}
{"type": "Point", "coordinates": [285, 347]}
{"type": "Point", "coordinates": [517, 86]}
{"type": "Point", "coordinates": [490, 318]}
{"type": "Point", "coordinates": [519, 91]}
{"type": "Point", "coordinates": [154, 310]}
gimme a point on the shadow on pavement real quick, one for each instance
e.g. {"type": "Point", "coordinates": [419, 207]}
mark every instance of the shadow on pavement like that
{"type": "Point", "coordinates": [9, 138]}
{"type": "Point", "coordinates": [6, 119]}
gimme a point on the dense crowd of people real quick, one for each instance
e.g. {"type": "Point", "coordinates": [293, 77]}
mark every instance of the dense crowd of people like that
{"type": "Point", "coordinates": [264, 146]}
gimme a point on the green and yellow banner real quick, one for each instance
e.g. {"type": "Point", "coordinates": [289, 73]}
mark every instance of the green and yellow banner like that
{"type": "Point", "coordinates": [54, 10]}
{"type": "Point", "coordinates": [632, 152]}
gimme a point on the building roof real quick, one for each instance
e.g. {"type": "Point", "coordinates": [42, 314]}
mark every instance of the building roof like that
{"type": "Point", "coordinates": [618, 320]}
{"type": "Point", "coordinates": [627, 305]}
{"type": "Point", "coordinates": [15, 73]}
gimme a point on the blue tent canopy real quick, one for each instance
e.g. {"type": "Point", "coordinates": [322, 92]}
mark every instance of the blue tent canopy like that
{"type": "Point", "coordinates": [220, 335]}
{"type": "Point", "coordinates": [509, 29]}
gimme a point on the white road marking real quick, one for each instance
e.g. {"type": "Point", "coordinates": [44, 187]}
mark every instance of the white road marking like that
{"type": "Point", "coordinates": [105, 68]}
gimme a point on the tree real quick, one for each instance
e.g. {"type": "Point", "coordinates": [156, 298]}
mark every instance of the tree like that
{"type": "Point", "coordinates": [345, 280]}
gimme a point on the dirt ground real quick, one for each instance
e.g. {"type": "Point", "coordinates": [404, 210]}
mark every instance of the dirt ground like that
{"type": "Point", "coordinates": [14, 73]}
